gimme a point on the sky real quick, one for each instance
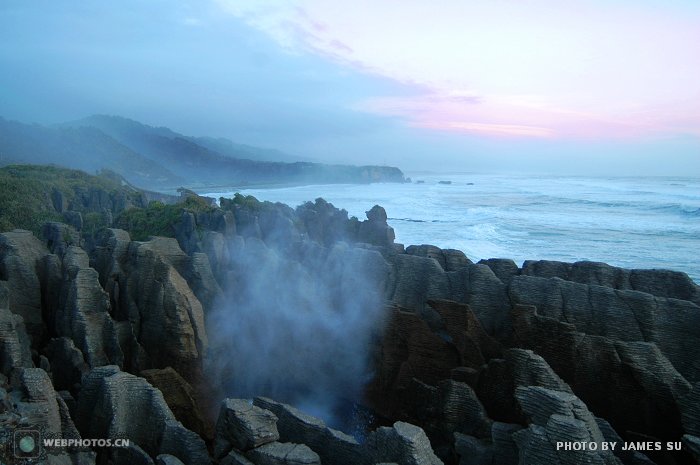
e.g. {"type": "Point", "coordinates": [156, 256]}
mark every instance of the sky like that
{"type": "Point", "coordinates": [580, 87]}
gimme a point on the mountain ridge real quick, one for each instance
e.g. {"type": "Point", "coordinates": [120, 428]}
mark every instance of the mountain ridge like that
{"type": "Point", "coordinates": [160, 158]}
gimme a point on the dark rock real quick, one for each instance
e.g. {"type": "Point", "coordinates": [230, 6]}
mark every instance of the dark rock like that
{"type": "Point", "coordinates": [131, 455]}
{"type": "Point", "coordinates": [659, 283]}
{"type": "Point", "coordinates": [74, 219]}
{"type": "Point", "coordinates": [690, 407]}
{"type": "Point", "coordinates": [115, 404]}
{"type": "Point", "coordinates": [83, 312]}
{"type": "Point", "coordinates": [179, 396]}
{"type": "Point", "coordinates": [283, 453]}
{"type": "Point", "coordinates": [20, 254]}
{"type": "Point", "coordinates": [375, 230]}
{"type": "Point", "coordinates": [403, 443]}
{"type": "Point", "coordinates": [162, 308]}
{"type": "Point", "coordinates": [630, 383]}
{"type": "Point", "coordinates": [243, 426]}
{"type": "Point", "coordinates": [234, 458]}
{"type": "Point", "coordinates": [166, 459]}
{"type": "Point", "coordinates": [59, 236]}
{"type": "Point", "coordinates": [415, 348]}
{"type": "Point", "coordinates": [296, 427]}
{"type": "Point", "coordinates": [15, 351]}
{"type": "Point", "coordinates": [504, 268]}
{"type": "Point", "coordinates": [672, 324]}
{"type": "Point", "coordinates": [449, 259]}
{"type": "Point", "coordinates": [557, 417]}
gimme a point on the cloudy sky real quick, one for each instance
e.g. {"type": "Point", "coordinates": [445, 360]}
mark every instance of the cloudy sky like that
{"type": "Point", "coordinates": [587, 87]}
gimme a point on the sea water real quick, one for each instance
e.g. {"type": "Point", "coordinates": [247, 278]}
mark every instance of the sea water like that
{"type": "Point", "coordinates": [642, 222]}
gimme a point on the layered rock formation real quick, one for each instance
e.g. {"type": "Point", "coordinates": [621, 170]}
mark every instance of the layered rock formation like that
{"type": "Point", "coordinates": [467, 363]}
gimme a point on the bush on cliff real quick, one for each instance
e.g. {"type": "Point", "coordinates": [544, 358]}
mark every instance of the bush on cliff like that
{"type": "Point", "coordinates": [158, 219]}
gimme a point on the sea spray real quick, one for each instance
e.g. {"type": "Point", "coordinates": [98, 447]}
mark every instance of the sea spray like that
{"type": "Point", "coordinates": [297, 323]}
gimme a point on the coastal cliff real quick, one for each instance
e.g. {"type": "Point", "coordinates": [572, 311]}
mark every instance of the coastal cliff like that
{"type": "Point", "coordinates": [146, 323]}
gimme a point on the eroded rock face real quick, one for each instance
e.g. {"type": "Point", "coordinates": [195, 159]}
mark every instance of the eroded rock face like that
{"type": "Point", "coordinates": [284, 453]}
{"type": "Point", "coordinates": [403, 443]}
{"type": "Point", "coordinates": [83, 312]}
{"type": "Point", "coordinates": [114, 404]}
{"type": "Point", "coordinates": [20, 253]}
{"type": "Point", "coordinates": [180, 397]}
{"type": "Point", "coordinates": [167, 318]}
{"type": "Point", "coordinates": [673, 325]}
{"type": "Point", "coordinates": [15, 351]}
{"type": "Point", "coordinates": [295, 426]}
{"type": "Point", "coordinates": [659, 283]}
{"type": "Point", "coordinates": [554, 417]}
{"type": "Point", "coordinates": [243, 426]}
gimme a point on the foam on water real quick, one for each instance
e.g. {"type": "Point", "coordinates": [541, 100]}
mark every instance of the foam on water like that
{"type": "Point", "coordinates": [650, 222]}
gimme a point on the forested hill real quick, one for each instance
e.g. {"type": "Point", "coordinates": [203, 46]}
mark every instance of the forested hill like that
{"type": "Point", "coordinates": [159, 158]}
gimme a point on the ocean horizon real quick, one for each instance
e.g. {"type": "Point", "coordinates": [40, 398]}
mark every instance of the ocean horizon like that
{"type": "Point", "coordinates": [633, 222]}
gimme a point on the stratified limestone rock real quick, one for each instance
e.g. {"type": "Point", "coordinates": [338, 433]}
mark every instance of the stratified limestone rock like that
{"type": "Point", "coordinates": [32, 403]}
{"type": "Point", "coordinates": [114, 404]}
{"type": "Point", "coordinates": [235, 458]}
{"type": "Point", "coordinates": [556, 416]}
{"type": "Point", "coordinates": [659, 283]}
{"type": "Point", "coordinates": [109, 254]}
{"type": "Point", "coordinates": [693, 445]}
{"type": "Point", "coordinates": [498, 380]}
{"type": "Point", "coordinates": [297, 427]}
{"type": "Point", "coordinates": [67, 362]}
{"type": "Point", "coordinates": [59, 236]}
{"type": "Point", "coordinates": [15, 351]}
{"type": "Point", "coordinates": [166, 459]}
{"type": "Point", "coordinates": [243, 426]}
{"type": "Point", "coordinates": [403, 443]}
{"type": "Point", "coordinates": [131, 455]}
{"type": "Point", "coordinates": [20, 253]}
{"type": "Point", "coordinates": [629, 383]}
{"type": "Point", "coordinates": [690, 407]}
{"type": "Point", "coordinates": [375, 230]}
{"type": "Point", "coordinates": [165, 315]}
{"type": "Point", "coordinates": [83, 312]}
{"type": "Point", "coordinates": [673, 325]}
{"type": "Point", "coordinates": [418, 279]}
{"type": "Point", "coordinates": [179, 396]}
{"type": "Point", "coordinates": [504, 268]}
{"type": "Point", "coordinates": [283, 453]}
{"type": "Point", "coordinates": [449, 259]}
{"type": "Point", "coordinates": [416, 347]}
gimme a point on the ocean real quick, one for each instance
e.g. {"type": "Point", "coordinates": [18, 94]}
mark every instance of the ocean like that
{"type": "Point", "coordinates": [632, 222]}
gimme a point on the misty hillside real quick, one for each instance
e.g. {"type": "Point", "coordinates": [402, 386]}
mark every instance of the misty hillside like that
{"type": "Point", "coordinates": [85, 148]}
{"type": "Point", "coordinates": [161, 158]}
